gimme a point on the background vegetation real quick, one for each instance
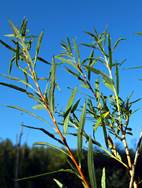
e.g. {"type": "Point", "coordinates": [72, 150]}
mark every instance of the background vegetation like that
{"type": "Point", "coordinates": [33, 161]}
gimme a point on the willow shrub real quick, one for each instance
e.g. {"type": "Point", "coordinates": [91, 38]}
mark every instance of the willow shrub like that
{"type": "Point", "coordinates": [98, 73]}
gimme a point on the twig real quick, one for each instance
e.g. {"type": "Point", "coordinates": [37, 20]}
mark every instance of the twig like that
{"type": "Point", "coordinates": [135, 161]}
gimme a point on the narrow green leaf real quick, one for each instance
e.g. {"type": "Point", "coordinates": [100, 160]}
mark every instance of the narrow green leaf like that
{"type": "Point", "coordinates": [38, 107]}
{"type": "Point", "coordinates": [91, 57]}
{"type": "Point", "coordinates": [91, 168]}
{"type": "Point", "coordinates": [74, 107]}
{"type": "Point", "coordinates": [52, 146]}
{"type": "Point", "coordinates": [16, 88]}
{"type": "Point", "coordinates": [68, 61]}
{"type": "Point", "coordinates": [7, 46]}
{"type": "Point", "coordinates": [15, 29]}
{"type": "Point", "coordinates": [18, 80]}
{"type": "Point", "coordinates": [69, 45]}
{"type": "Point", "coordinates": [139, 33]}
{"type": "Point", "coordinates": [103, 178]}
{"type": "Point", "coordinates": [9, 35]}
{"type": "Point", "coordinates": [80, 133]}
{"type": "Point", "coordinates": [17, 53]}
{"type": "Point", "coordinates": [117, 78]}
{"type": "Point", "coordinates": [52, 86]}
{"type": "Point", "coordinates": [136, 67]}
{"type": "Point", "coordinates": [76, 48]}
{"type": "Point", "coordinates": [100, 119]}
{"type": "Point", "coordinates": [105, 133]}
{"type": "Point", "coordinates": [27, 112]}
{"type": "Point", "coordinates": [60, 185]}
{"type": "Point", "coordinates": [45, 174]}
{"type": "Point", "coordinates": [23, 27]}
{"type": "Point", "coordinates": [110, 51]}
{"type": "Point", "coordinates": [68, 110]}
{"type": "Point", "coordinates": [107, 80]}
{"type": "Point", "coordinates": [117, 42]}
{"type": "Point", "coordinates": [10, 66]}
{"type": "Point", "coordinates": [38, 46]}
{"type": "Point", "coordinates": [74, 74]}
{"type": "Point", "coordinates": [43, 60]}
{"type": "Point", "coordinates": [45, 132]}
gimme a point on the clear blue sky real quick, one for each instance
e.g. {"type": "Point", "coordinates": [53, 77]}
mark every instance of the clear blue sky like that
{"type": "Point", "coordinates": [59, 19]}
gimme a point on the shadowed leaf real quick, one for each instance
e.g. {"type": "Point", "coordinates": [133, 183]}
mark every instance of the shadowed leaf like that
{"type": "Point", "coordinates": [91, 168]}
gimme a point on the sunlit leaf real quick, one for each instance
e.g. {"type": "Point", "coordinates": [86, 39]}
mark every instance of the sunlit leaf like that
{"type": "Point", "coordinates": [52, 146]}
{"type": "Point", "coordinates": [27, 112]}
{"type": "Point", "coordinates": [107, 80]}
{"type": "Point", "coordinates": [18, 80]}
{"type": "Point", "coordinates": [103, 178]}
{"type": "Point", "coordinates": [38, 46]}
{"type": "Point", "coordinates": [52, 86]}
{"type": "Point", "coordinates": [117, 42]}
{"type": "Point", "coordinates": [68, 110]}
{"type": "Point", "coordinates": [38, 107]}
{"type": "Point", "coordinates": [80, 132]}
{"type": "Point", "coordinates": [74, 73]}
{"type": "Point", "coordinates": [60, 185]}
{"type": "Point", "coordinates": [76, 48]}
{"type": "Point", "coordinates": [100, 119]}
{"type": "Point", "coordinates": [23, 27]}
{"type": "Point", "coordinates": [117, 78]}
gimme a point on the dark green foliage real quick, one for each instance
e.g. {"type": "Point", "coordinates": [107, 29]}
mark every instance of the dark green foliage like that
{"type": "Point", "coordinates": [37, 160]}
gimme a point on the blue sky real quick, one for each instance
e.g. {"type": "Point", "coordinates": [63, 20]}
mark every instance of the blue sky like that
{"type": "Point", "coordinates": [59, 19]}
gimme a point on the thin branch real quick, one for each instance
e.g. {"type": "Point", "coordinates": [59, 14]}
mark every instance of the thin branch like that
{"type": "Point", "coordinates": [137, 153]}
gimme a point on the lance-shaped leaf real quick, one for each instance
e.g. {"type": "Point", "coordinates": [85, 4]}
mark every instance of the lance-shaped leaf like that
{"type": "Point", "coordinates": [99, 120]}
{"type": "Point", "coordinates": [60, 185]}
{"type": "Point", "coordinates": [74, 74]}
{"type": "Point", "coordinates": [117, 42]}
{"type": "Point", "coordinates": [17, 54]}
{"type": "Point", "coordinates": [43, 60]}
{"type": "Point", "coordinates": [74, 107]}
{"type": "Point", "coordinates": [91, 59]}
{"type": "Point", "coordinates": [91, 168]}
{"type": "Point", "coordinates": [18, 80]}
{"type": "Point", "coordinates": [17, 88]}
{"type": "Point", "coordinates": [38, 107]}
{"type": "Point", "coordinates": [45, 132]}
{"type": "Point", "coordinates": [45, 174]}
{"type": "Point", "coordinates": [38, 46]}
{"type": "Point", "coordinates": [80, 132]}
{"type": "Point", "coordinates": [110, 51]}
{"type": "Point", "coordinates": [7, 46]}
{"type": "Point", "coordinates": [117, 78]}
{"type": "Point", "coordinates": [52, 146]}
{"type": "Point", "coordinates": [21, 41]}
{"type": "Point", "coordinates": [23, 28]}
{"type": "Point", "coordinates": [98, 41]}
{"type": "Point", "coordinates": [28, 112]}
{"type": "Point", "coordinates": [68, 110]}
{"type": "Point", "coordinates": [52, 86]}
{"type": "Point", "coordinates": [103, 178]}
{"type": "Point", "coordinates": [14, 28]}
{"type": "Point", "coordinates": [107, 80]}
{"type": "Point", "coordinates": [77, 52]}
